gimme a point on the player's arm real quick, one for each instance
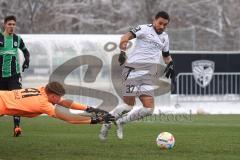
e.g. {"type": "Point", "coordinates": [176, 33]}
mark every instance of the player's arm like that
{"type": "Point", "coordinates": [71, 104]}
{"type": "Point", "coordinates": [123, 46]}
{"type": "Point", "coordinates": [166, 57]}
{"type": "Point", "coordinates": [124, 40]}
{"type": "Point", "coordinates": [169, 70]}
{"type": "Point", "coordinates": [26, 55]}
{"type": "Point", "coordinates": [80, 118]}
{"type": "Point", "coordinates": [77, 106]}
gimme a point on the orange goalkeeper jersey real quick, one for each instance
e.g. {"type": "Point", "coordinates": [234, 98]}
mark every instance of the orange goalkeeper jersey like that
{"type": "Point", "coordinates": [29, 102]}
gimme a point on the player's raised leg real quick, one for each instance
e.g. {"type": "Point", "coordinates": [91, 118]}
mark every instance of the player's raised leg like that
{"type": "Point", "coordinates": [148, 103]}
{"type": "Point", "coordinates": [116, 112]}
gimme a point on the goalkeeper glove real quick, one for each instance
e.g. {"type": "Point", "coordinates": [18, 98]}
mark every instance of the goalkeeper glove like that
{"type": "Point", "coordinates": [169, 70]}
{"type": "Point", "coordinates": [122, 57]}
{"type": "Point", "coordinates": [95, 110]}
{"type": "Point", "coordinates": [105, 118]}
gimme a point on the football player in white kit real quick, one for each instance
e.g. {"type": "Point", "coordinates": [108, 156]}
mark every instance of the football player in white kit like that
{"type": "Point", "coordinates": [139, 68]}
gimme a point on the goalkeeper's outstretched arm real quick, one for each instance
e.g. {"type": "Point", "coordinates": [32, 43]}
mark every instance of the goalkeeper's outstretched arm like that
{"type": "Point", "coordinates": [78, 106]}
{"type": "Point", "coordinates": [72, 105]}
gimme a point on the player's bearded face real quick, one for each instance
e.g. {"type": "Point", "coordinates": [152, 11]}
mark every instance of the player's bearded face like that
{"type": "Point", "coordinates": [10, 26]}
{"type": "Point", "coordinates": [160, 24]}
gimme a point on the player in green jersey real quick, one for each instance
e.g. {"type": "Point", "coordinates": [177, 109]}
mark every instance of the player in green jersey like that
{"type": "Point", "coordinates": [9, 63]}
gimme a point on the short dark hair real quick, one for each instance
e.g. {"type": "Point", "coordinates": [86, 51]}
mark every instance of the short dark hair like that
{"type": "Point", "coordinates": [9, 18]}
{"type": "Point", "coordinates": [162, 14]}
{"type": "Point", "coordinates": [55, 87]}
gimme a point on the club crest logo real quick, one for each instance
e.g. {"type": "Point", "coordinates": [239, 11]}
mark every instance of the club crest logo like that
{"type": "Point", "coordinates": [15, 44]}
{"type": "Point", "coordinates": [203, 72]}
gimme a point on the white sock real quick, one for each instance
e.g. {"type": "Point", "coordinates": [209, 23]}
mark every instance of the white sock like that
{"type": "Point", "coordinates": [136, 114]}
{"type": "Point", "coordinates": [118, 111]}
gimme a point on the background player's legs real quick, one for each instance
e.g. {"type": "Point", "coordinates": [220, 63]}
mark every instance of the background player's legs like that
{"type": "Point", "coordinates": [17, 131]}
{"type": "Point", "coordinates": [10, 84]}
{"type": "Point", "coordinates": [3, 84]}
{"type": "Point", "coordinates": [14, 83]}
{"type": "Point", "coordinates": [16, 120]}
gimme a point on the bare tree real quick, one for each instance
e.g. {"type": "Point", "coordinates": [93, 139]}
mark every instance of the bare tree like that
{"type": "Point", "coordinates": [194, 25]}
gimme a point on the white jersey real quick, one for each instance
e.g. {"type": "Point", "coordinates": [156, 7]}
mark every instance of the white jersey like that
{"type": "Point", "coordinates": [149, 45]}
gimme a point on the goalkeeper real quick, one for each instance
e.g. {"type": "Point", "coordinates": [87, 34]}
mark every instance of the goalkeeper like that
{"type": "Point", "coordinates": [31, 102]}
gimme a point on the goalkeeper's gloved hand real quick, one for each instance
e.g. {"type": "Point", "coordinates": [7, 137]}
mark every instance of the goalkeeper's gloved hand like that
{"type": "Point", "coordinates": [95, 110]}
{"type": "Point", "coordinates": [104, 118]}
{"type": "Point", "coordinates": [107, 118]}
{"type": "Point", "coordinates": [169, 70]}
{"type": "Point", "coordinates": [122, 57]}
{"type": "Point", "coordinates": [100, 115]}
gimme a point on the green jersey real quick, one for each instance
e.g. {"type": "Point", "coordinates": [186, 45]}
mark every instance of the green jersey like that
{"type": "Point", "coordinates": [9, 58]}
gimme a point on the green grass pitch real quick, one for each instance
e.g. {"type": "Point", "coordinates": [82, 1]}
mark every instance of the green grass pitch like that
{"type": "Point", "coordinates": [199, 137]}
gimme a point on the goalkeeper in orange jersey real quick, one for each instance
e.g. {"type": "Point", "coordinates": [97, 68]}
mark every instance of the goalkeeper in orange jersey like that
{"type": "Point", "coordinates": [31, 102]}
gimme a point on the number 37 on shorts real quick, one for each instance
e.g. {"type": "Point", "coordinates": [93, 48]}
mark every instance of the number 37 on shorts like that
{"type": "Point", "coordinates": [130, 88]}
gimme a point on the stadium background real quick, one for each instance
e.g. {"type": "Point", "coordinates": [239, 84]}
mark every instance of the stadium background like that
{"type": "Point", "coordinates": [192, 28]}
{"type": "Point", "coordinates": [195, 25]}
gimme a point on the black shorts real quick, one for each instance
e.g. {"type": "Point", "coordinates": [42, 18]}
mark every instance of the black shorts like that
{"type": "Point", "coordinates": [11, 83]}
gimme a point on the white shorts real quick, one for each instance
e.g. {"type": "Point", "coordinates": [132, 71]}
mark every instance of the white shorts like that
{"type": "Point", "coordinates": [137, 82]}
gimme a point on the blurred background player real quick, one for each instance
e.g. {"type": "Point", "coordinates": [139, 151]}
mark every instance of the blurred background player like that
{"type": "Point", "coordinates": [10, 77]}
{"type": "Point", "coordinates": [31, 102]}
{"type": "Point", "coordinates": [139, 69]}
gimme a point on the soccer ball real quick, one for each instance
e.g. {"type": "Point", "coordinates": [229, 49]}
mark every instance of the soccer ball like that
{"type": "Point", "coordinates": [165, 140]}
